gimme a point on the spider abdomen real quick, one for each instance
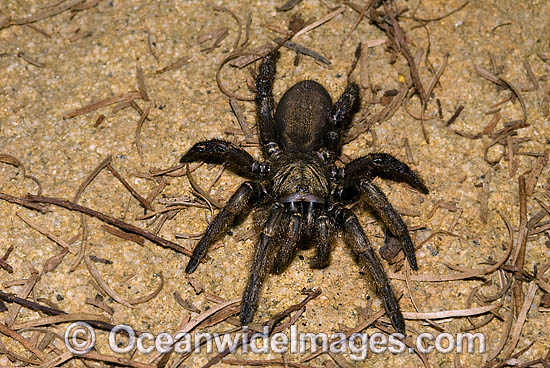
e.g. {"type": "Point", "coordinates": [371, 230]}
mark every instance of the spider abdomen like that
{"type": "Point", "coordinates": [301, 117]}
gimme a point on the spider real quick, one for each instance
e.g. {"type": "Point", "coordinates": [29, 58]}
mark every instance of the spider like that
{"type": "Point", "coordinates": [300, 191]}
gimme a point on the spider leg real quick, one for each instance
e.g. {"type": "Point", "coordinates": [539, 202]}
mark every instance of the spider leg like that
{"type": "Point", "coordinates": [378, 201]}
{"type": "Point", "coordinates": [324, 239]}
{"type": "Point", "coordinates": [219, 152]}
{"type": "Point", "coordinates": [264, 105]}
{"type": "Point", "coordinates": [239, 202]}
{"type": "Point", "coordinates": [260, 263]}
{"type": "Point", "coordinates": [356, 239]}
{"type": "Point", "coordinates": [339, 117]}
{"type": "Point", "coordinates": [288, 244]}
{"type": "Point", "coordinates": [383, 165]}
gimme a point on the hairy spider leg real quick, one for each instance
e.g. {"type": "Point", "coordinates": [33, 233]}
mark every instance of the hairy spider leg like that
{"type": "Point", "coordinates": [383, 165]}
{"type": "Point", "coordinates": [339, 119]}
{"type": "Point", "coordinates": [260, 263]}
{"type": "Point", "coordinates": [288, 244]}
{"type": "Point", "coordinates": [264, 106]}
{"type": "Point", "coordinates": [242, 200]}
{"type": "Point", "coordinates": [355, 238]}
{"type": "Point", "coordinates": [357, 177]}
{"type": "Point", "coordinates": [378, 201]}
{"type": "Point", "coordinates": [324, 239]}
{"type": "Point", "coordinates": [218, 151]}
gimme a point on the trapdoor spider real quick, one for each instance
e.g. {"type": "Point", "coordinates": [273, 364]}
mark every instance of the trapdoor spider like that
{"type": "Point", "coordinates": [301, 190]}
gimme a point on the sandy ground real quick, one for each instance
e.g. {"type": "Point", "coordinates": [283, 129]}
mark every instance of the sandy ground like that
{"type": "Point", "coordinates": [87, 56]}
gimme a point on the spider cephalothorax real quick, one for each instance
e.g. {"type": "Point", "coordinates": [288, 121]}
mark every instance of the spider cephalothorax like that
{"type": "Point", "coordinates": [301, 191]}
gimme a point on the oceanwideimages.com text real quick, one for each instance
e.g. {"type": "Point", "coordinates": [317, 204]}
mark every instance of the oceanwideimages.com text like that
{"type": "Point", "coordinates": [80, 338]}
